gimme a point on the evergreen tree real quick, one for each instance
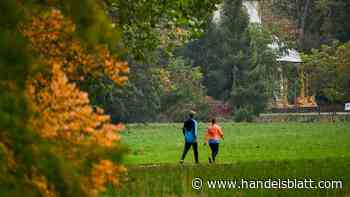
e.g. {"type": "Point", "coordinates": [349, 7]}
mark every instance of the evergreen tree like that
{"type": "Point", "coordinates": [237, 62]}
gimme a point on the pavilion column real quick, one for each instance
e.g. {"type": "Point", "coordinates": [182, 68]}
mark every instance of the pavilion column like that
{"type": "Point", "coordinates": [302, 82]}
{"type": "Point", "coordinates": [285, 89]}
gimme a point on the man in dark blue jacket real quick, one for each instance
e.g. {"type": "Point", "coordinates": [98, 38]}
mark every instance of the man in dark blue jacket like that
{"type": "Point", "coordinates": [190, 132]}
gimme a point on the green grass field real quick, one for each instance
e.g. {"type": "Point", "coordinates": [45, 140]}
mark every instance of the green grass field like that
{"type": "Point", "coordinates": [318, 151]}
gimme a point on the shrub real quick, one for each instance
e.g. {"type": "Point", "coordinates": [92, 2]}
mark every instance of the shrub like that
{"type": "Point", "coordinates": [243, 115]}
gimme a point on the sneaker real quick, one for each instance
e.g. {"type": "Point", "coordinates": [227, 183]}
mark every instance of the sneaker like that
{"type": "Point", "coordinates": [181, 161]}
{"type": "Point", "coordinates": [209, 160]}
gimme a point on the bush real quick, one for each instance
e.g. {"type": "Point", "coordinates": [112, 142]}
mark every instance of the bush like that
{"type": "Point", "coordinates": [243, 115]}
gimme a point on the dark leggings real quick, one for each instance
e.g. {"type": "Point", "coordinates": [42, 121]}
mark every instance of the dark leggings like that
{"type": "Point", "coordinates": [195, 150]}
{"type": "Point", "coordinates": [214, 150]}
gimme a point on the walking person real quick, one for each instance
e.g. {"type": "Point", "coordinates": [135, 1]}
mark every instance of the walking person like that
{"type": "Point", "coordinates": [190, 132]}
{"type": "Point", "coordinates": [212, 137]}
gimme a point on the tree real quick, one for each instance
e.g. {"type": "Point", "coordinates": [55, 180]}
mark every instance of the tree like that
{"type": "Point", "coordinates": [150, 31]}
{"type": "Point", "coordinates": [335, 23]}
{"type": "Point", "coordinates": [182, 90]}
{"type": "Point", "coordinates": [138, 100]}
{"type": "Point", "coordinates": [230, 48]}
{"type": "Point", "coordinates": [149, 25]}
{"type": "Point", "coordinates": [236, 59]}
{"type": "Point", "coordinates": [47, 147]}
{"type": "Point", "coordinates": [316, 22]}
{"type": "Point", "coordinates": [329, 69]}
{"type": "Point", "coordinates": [258, 82]}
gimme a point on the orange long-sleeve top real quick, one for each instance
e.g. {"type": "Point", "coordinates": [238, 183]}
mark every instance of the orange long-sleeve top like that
{"type": "Point", "coordinates": [214, 132]}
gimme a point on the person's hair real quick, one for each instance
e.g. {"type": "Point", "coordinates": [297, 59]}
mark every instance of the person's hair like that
{"type": "Point", "coordinates": [213, 121]}
{"type": "Point", "coordinates": [191, 114]}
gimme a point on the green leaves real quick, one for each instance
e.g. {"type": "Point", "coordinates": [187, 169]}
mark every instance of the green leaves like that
{"type": "Point", "coordinates": [238, 65]}
{"type": "Point", "coordinates": [148, 25]}
{"type": "Point", "coordinates": [314, 22]}
{"type": "Point", "coordinates": [329, 69]}
{"type": "Point", "coordinates": [186, 90]}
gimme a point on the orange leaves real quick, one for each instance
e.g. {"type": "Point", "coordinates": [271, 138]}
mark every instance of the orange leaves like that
{"type": "Point", "coordinates": [113, 68]}
{"type": "Point", "coordinates": [66, 113]}
{"type": "Point", "coordinates": [48, 31]}
{"type": "Point", "coordinates": [52, 37]}
{"type": "Point", "coordinates": [63, 111]}
{"type": "Point", "coordinates": [105, 172]}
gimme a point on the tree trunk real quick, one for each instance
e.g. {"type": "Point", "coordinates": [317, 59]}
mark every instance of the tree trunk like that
{"type": "Point", "coordinates": [303, 21]}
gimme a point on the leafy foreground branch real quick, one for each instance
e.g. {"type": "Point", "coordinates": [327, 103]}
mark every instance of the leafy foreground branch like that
{"type": "Point", "coordinates": [52, 141]}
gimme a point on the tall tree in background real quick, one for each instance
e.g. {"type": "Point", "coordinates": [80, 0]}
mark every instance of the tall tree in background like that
{"type": "Point", "coordinates": [153, 24]}
{"type": "Point", "coordinates": [182, 90]}
{"type": "Point", "coordinates": [236, 59]}
{"type": "Point", "coordinates": [150, 31]}
{"type": "Point", "coordinates": [229, 50]}
{"type": "Point", "coordinates": [328, 69]}
{"type": "Point", "coordinates": [316, 21]}
{"type": "Point", "coordinates": [335, 23]}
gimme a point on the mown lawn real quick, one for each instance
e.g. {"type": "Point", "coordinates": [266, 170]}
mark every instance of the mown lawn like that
{"type": "Point", "coordinates": [318, 151]}
{"type": "Point", "coordinates": [163, 143]}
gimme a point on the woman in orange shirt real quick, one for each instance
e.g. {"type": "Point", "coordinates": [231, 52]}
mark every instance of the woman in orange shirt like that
{"type": "Point", "coordinates": [212, 137]}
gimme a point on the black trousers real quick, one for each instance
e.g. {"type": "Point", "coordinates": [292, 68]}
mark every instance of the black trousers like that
{"type": "Point", "coordinates": [195, 150]}
{"type": "Point", "coordinates": [214, 150]}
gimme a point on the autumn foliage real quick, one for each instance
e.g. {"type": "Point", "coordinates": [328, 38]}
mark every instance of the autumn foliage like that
{"type": "Point", "coordinates": [62, 112]}
{"type": "Point", "coordinates": [65, 112]}
{"type": "Point", "coordinates": [52, 36]}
